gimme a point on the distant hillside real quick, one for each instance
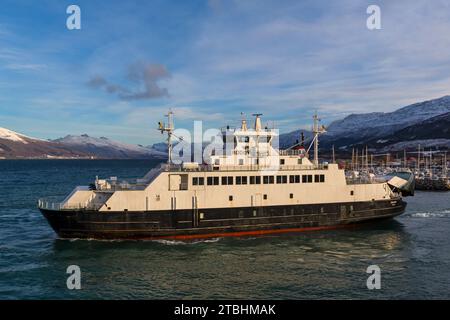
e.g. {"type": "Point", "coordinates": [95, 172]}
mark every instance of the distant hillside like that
{"type": "Point", "coordinates": [382, 123]}
{"type": "Point", "coordinates": [356, 130]}
{"type": "Point", "coordinates": [14, 145]}
{"type": "Point", "coordinates": [105, 148]}
{"type": "Point", "coordinates": [433, 132]}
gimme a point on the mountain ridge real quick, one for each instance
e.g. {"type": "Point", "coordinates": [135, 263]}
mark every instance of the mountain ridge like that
{"type": "Point", "coordinates": [427, 121]}
{"type": "Point", "coordinates": [363, 129]}
{"type": "Point", "coordinates": [14, 145]}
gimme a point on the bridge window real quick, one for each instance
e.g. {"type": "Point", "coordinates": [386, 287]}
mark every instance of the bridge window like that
{"type": "Point", "coordinates": [227, 180]}
{"type": "Point", "coordinates": [255, 180]}
{"type": "Point", "coordinates": [212, 181]}
{"type": "Point", "coordinates": [241, 180]}
{"type": "Point", "coordinates": [281, 179]}
{"type": "Point", "coordinates": [294, 178]}
{"type": "Point", "coordinates": [319, 178]}
{"type": "Point", "coordinates": [198, 181]}
{"type": "Point", "coordinates": [307, 178]}
{"type": "Point", "coordinates": [268, 179]}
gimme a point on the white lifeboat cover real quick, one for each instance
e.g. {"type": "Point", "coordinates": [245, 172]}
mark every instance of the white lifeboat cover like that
{"type": "Point", "coordinates": [397, 182]}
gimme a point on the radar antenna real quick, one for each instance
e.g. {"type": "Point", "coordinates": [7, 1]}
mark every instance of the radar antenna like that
{"type": "Point", "coordinates": [316, 130]}
{"type": "Point", "coordinates": [169, 129]}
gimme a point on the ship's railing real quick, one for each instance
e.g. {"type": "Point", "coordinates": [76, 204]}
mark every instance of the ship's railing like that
{"type": "Point", "coordinates": [212, 168]}
{"type": "Point", "coordinates": [47, 204]}
{"type": "Point", "coordinates": [124, 184]}
{"type": "Point", "coordinates": [364, 180]}
{"type": "Point", "coordinates": [291, 152]}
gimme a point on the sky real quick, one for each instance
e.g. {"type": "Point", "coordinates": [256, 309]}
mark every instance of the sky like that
{"type": "Point", "coordinates": [211, 60]}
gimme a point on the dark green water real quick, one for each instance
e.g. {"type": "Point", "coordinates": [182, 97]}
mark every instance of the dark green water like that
{"type": "Point", "coordinates": [413, 251]}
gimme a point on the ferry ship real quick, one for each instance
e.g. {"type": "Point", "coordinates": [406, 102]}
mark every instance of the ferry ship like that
{"type": "Point", "coordinates": [254, 189]}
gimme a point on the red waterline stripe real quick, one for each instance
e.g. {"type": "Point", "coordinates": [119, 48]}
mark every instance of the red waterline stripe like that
{"type": "Point", "coordinates": [251, 233]}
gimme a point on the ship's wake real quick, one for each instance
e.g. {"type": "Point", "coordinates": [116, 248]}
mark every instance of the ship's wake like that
{"type": "Point", "coordinates": [161, 241]}
{"type": "Point", "coordinates": [431, 214]}
{"type": "Point", "coordinates": [178, 242]}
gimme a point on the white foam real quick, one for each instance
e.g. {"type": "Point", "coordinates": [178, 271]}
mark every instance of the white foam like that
{"type": "Point", "coordinates": [177, 242]}
{"type": "Point", "coordinates": [436, 214]}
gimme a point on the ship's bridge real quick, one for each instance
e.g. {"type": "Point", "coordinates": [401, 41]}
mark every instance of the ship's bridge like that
{"type": "Point", "coordinates": [255, 146]}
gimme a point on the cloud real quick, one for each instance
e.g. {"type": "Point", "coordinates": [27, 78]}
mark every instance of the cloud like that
{"type": "Point", "coordinates": [25, 66]}
{"type": "Point", "coordinates": [144, 78]}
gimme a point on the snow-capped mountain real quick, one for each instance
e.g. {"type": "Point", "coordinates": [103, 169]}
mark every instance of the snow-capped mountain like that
{"type": "Point", "coordinates": [433, 132]}
{"type": "Point", "coordinates": [105, 148]}
{"type": "Point", "coordinates": [363, 129]}
{"type": "Point", "coordinates": [382, 123]}
{"type": "Point", "coordinates": [13, 136]}
{"type": "Point", "coordinates": [17, 145]}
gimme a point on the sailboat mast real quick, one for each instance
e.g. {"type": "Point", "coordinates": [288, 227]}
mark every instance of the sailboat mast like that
{"type": "Point", "coordinates": [334, 158]}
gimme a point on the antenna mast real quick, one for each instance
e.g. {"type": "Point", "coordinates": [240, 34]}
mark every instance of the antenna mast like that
{"type": "Point", "coordinates": [169, 129]}
{"type": "Point", "coordinates": [317, 130]}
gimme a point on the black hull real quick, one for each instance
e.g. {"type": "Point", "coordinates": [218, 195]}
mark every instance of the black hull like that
{"type": "Point", "coordinates": [203, 223]}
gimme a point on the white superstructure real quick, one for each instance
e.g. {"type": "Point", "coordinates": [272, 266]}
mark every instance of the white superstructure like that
{"type": "Point", "coordinates": [254, 173]}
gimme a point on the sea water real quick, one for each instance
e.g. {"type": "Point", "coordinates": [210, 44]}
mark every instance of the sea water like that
{"type": "Point", "coordinates": [412, 250]}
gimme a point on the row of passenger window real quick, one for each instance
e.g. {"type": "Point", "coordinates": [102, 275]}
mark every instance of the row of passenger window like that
{"type": "Point", "coordinates": [239, 180]}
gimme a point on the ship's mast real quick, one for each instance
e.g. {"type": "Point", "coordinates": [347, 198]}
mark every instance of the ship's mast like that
{"type": "Point", "coordinates": [257, 130]}
{"type": "Point", "coordinates": [317, 130]}
{"type": "Point", "coordinates": [169, 129]}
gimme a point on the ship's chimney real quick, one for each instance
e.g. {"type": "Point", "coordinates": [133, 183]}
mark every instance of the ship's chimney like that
{"type": "Point", "coordinates": [244, 123]}
{"type": "Point", "coordinates": [257, 121]}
